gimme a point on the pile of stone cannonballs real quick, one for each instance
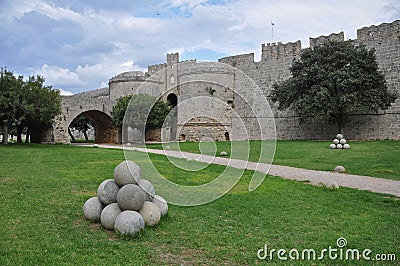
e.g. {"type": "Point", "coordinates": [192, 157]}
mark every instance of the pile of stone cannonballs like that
{"type": "Point", "coordinates": [339, 143]}
{"type": "Point", "coordinates": [126, 203]}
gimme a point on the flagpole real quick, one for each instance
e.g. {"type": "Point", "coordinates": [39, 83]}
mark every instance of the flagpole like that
{"type": "Point", "coordinates": [272, 31]}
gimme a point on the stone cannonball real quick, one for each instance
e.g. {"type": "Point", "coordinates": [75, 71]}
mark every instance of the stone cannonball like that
{"type": "Point", "coordinates": [161, 204]}
{"type": "Point", "coordinates": [109, 214]}
{"type": "Point", "coordinates": [92, 209]}
{"type": "Point", "coordinates": [339, 169]}
{"type": "Point", "coordinates": [343, 141]}
{"type": "Point", "coordinates": [339, 136]}
{"type": "Point", "coordinates": [131, 197]}
{"type": "Point", "coordinates": [127, 172]}
{"type": "Point", "coordinates": [336, 141]}
{"type": "Point", "coordinates": [332, 146]}
{"type": "Point", "coordinates": [107, 191]}
{"type": "Point", "coordinates": [151, 213]}
{"type": "Point", "coordinates": [129, 223]}
{"type": "Point", "coordinates": [339, 146]}
{"type": "Point", "coordinates": [148, 189]}
{"type": "Point", "coordinates": [223, 153]}
{"type": "Point", "coordinates": [346, 146]}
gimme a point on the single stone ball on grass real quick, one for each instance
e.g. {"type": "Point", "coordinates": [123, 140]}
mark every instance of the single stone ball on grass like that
{"type": "Point", "coordinates": [109, 214]}
{"type": "Point", "coordinates": [332, 146]}
{"type": "Point", "coordinates": [131, 197]}
{"type": "Point", "coordinates": [339, 169]}
{"type": "Point", "coordinates": [346, 146]}
{"type": "Point", "coordinates": [339, 146]}
{"type": "Point", "coordinates": [148, 189]}
{"type": "Point", "coordinates": [92, 209]}
{"type": "Point", "coordinates": [107, 191]}
{"type": "Point", "coordinates": [161, 203]}
{"type": "Point", "coordinates": [127, 172]}
{"type": "Point", "coordinates": [339, 136]}
{"type": "Point", "coordinates": [223, 153]}
{"type": "Point", "coordinates": [129, 223]}
{"type": "Point", "coordinates": [336, 141]}
{"type": "Point", "coordinates": [343, 141]}
{"type": "Point", "coordinates": [151, 213]}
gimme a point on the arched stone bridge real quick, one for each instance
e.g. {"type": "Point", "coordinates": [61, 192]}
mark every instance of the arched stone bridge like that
{"type": "Point", "coordinates": [96, 106]}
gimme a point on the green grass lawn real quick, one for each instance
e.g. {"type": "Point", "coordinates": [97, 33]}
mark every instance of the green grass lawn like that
{"type": "Point", "coordinates": [43, 189]}
{"type": "Point", "coordinates": [371, 158]}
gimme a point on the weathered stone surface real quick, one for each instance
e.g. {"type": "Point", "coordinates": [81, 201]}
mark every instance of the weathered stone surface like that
{"type": "Point", "coordinates": [107, 191]}
{"type": "Point", "coordinates": [339, 136]}
{"type": "Point", "coordinates": [336, 141]}
{"type": "Point", "coordinates": [151, 213]}
{"type": "Point", "coordinates": [109, 214]}
{"type": "Point", "coordinates": [332, 146]}
{"type": "Point", "coordinates": [148, 189]}
{"type": "Point", "coordinates": [339, 146]}
{"type": "Point", "coordinates": [92, 209]}
{"type": "Point", "coordinates": [129, 223]}
{"type": "Point", "coordinates": [346, 146]}
{"type": "Point", "coordinates": [339, 169]}
{"type": "Point", "coordinates": [131, 197]}
{"type": "Point", "coordinates": [161, 203]}
{"type": "Point", "coordinates": [343, 141]}
{"type": "Point", "coordinates": [127, 172]}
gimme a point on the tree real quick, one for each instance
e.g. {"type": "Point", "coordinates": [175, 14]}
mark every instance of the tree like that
{"type": "Point", "coordinates": [136, 110]}
{"type": "Point", "coordinates": [82, 124]}
{"type": "Point", "coordinates": [332, 81]}
{"type": "Point", "coordinates": [26, 104]}
{"type": "Point", "coordinates": [10, 87]}
{"type": "Point", "coordinates": [41, 104]}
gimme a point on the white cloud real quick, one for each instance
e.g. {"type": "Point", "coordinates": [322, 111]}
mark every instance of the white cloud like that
{"type": "Point", "coordinates": [65, 93]}
{"type": "Point", "coordinates": [59, 77]}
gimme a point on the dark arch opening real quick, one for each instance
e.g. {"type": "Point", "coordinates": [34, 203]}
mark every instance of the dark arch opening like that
{"type": "Point", "coordinates": [227, 137]}
{"type": "Point", "coordinates": [172, 99]}
{"type": "Point", "coordinates": [104, 129]}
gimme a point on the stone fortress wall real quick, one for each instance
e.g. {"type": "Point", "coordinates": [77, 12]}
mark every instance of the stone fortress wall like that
{"type": "Point", "coordinates": [220, 122]}
{"type": "Point", "coordinates": [274, 67]}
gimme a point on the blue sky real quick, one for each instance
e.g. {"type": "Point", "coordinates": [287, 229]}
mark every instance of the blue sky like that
{"type": "Point", "coordinates": [79, 45]}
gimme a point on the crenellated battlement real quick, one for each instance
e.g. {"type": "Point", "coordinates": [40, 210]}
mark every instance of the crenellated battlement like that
{"type": "Point", "coordinates": [187, 63]}
{"type": "Point", "coordinates": [280, 50]}
{"type": "Point", "coordinates": [152, 69]}
{"type": "Point", "coordinates": [378, 33]}
{"type": "Point", "coordinates": [236, 60]}
{"type": "Point", "coordinates": [338, 37]}
{"type": "Point", "coordinates": [172, 59]}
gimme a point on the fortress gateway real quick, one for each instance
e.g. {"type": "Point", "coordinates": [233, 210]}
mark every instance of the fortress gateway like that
{"type": "Point", "coordinates": [224, 96]}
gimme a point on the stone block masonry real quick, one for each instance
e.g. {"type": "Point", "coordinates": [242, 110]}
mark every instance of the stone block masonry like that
{"type": "Point", "coordinates": [172, 78]}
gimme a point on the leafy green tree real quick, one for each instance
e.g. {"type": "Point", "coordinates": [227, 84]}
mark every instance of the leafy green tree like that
{"type": "Point", "coordinates": [41, 104]}
{"type": "Point", "coordinates": [10, 90]}
{"type": "Point", "coordinates": [137, 113]}
{"type": "Point", "coordinates": [332, 81]}
{"type": "Point", "coordinates": [82, 124]}
{"type": "Point", "coordinates": [26, 104]}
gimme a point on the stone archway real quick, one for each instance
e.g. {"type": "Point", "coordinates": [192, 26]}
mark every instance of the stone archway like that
{"type": "Point", "coordinates": [104, 129]}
